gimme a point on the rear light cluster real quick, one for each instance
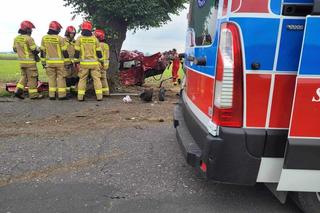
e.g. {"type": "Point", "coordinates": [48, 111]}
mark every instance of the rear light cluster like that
{"type": "Point", "coordinates": [228, 100]}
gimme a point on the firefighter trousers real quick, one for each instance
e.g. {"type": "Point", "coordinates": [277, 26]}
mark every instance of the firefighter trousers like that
{"type": "Point", "coordinates": [57, 81]}
{"type": "Point", "coordinates": [29, 77]}
{"type": "Point", "coordinates": [104, 82]}
{"type": "Point", "coordinates": [96, 76]}
{"type": "Point", "coordinates": [175, 70]}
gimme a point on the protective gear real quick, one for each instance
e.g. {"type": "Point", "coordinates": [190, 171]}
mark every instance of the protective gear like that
{"type": "Point", "coordinates": [56, 26]}
{"type": "Point", "coordinates": [26, 25]}
{"type": "Point", "coordinates": [72, 74]}
{"type": "Point", "coordinates": [29, 77]}
{"type": "Point", "coordinates": [87, 25]}
{"type": "Point", "coordinates": [54, 54]}
{"type": "Point", "coordinates": [104, 68]}
{"type": "Point", "coordinates": [25, 47]}
{"type": "Point", "coordinates": [175, 68]}
{"type": "Point", "coordinates": [71, 29]}
{"type": "Point", "coordinates": [100, 35]}
{"type": "Point", "coordinates": [87, 49]}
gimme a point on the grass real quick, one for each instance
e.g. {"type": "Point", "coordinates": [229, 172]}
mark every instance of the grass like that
{"type": "Point", "coordinates": [166, 74]}
{"type": "Point", "coordinates": [10, 71]}
{"type": "Point", "coordinates": [8, 56]}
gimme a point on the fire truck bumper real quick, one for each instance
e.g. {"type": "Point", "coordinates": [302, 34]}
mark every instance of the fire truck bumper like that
{"type": "Point", "coordinates": [224, 158]}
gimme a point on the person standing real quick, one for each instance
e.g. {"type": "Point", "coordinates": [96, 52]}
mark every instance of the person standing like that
{"type": "Point", "coordinates": [100, 34]}
{"type": "Point", "coordinates": [89, 55]}
{"type": "Point", "coordinates": [175, 66]}
{"type": "Point", "coordinates": [72, 75]}
{"type": "Point", "coordinates": [27, 51]}
{"type": "Point", "coordinates": [53, 55]}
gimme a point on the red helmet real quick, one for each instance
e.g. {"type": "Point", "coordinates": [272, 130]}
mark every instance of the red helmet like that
{"type": "Point", "coordinates": [71, 29]}
{"type": "Point", "coordinates": [87, 25]}
{"type": "Point", "coordinates": [54, 25]}
{"type": "Point", "coordinates": [26, 25]}
{"type": "Point", "coordinates": [99, 34]}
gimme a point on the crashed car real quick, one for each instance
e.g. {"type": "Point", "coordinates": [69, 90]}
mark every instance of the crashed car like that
{"type": "Point", "coordinates": [135, 67]}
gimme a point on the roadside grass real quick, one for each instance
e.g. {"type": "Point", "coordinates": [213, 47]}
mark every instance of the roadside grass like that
{"type": "Point", "coordinates": [10, 71]}
{"type": "Point", "coordinates": [166, 75]}
{"type": "Point", "coordinates": [4, 93]}
{"type": "Point", "coordinates": [8, 56]}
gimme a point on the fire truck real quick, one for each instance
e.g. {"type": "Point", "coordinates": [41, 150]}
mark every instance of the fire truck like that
{"type": "Point", "coordinates": [250, 102]}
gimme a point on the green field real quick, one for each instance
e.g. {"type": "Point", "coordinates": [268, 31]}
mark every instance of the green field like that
{"type": "Point", "coordinates": [10, 71]}
{"type": "Point", "coordinates": [8, 56]}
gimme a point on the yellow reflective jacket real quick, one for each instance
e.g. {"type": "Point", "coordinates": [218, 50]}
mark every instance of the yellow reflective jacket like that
{"type": "Point", "coordinates": [88, 46]}
{"type": "Point", "coordinates": [24, 45]}
{"type": "Point", "coordinates": [105, 54]}
{"type": "Point", "coordinates": [53, 46]}
{"type": "Point", "coordinates": [70, 49]}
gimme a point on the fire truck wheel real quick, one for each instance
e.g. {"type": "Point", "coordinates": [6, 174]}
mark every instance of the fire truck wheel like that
{"type": "Point", "coordinates": [309, 202]}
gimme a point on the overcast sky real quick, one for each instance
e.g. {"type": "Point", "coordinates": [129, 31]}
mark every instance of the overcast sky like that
{"type": "Point", "coordinates": [41, 12]}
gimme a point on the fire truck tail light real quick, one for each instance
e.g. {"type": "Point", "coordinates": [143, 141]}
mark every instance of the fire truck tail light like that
{"type": "Point", "coordinates": [229, 79]}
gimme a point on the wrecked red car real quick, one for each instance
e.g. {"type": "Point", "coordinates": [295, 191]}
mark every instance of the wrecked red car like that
{"type": "Point", "coordinates": [135, 67]}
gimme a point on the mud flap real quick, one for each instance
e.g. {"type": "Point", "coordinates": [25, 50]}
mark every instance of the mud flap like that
{"type": "Point", "coordinates": [301, 171]}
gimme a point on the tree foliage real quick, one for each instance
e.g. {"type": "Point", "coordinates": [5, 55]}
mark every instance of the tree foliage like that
{"type": "Point", "coordinates": [118, 16]}
{"type": "Point", "coordinates": [134, 14]}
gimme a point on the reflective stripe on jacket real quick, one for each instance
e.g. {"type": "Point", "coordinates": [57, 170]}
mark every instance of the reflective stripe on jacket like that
{"type": "Point", "coordinates": [88, 47]}
{"type": "Point", "coordinates": [70, 49]}
{"type": "Point", "coordinates": [23, 46]}
{"type": "Point", "coordinates": [105, 53]}
{"type": "Point", "coordinates": [52, 46]}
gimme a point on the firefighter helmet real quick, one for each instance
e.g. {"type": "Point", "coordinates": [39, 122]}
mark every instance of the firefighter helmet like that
{"type": "Point", "coordinates": [54, 25]}
{"type": "Point", "coordinates": [71, 29]}
{"type": "Point", "coordinates": [87, 25]}
{"type": "Point", "coordinates": [26, 25]}
{"type": "Point", "coordinates": [99, 34]}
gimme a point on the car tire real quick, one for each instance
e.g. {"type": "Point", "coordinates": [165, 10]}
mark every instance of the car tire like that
{"type": "Point", "coordinates": [309, 202]}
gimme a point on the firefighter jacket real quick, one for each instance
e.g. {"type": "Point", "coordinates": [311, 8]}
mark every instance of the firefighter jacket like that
{"type": "Point", "coordinates": [105, 54]}
{"type": "Point", "coordinates": [53, 50]}
{"type": "Point", "coordinates": [70, 49]}
{"type": "Point", "coordinates": [88, 51]}
{"type": "Point", "coordinates": [26, 49]}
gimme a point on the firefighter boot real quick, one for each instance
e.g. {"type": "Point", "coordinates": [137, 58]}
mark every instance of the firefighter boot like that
{"type": "Point", "coordinates": [19, 93]}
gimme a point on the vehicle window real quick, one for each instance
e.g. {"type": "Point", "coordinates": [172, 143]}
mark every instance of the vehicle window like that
{"type": "Point", "coordinates": [203, 20]}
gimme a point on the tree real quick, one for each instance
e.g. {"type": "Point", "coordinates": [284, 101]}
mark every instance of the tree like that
{"type": "Point", "coordinates": [116, 17]}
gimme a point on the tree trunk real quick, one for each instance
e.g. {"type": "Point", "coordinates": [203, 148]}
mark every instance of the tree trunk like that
{"type": "Point", "coordinates": [115, 42]}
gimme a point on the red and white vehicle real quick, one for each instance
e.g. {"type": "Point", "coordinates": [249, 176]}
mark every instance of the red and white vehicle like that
{"type": "Point", "coordinates": [250, 103]}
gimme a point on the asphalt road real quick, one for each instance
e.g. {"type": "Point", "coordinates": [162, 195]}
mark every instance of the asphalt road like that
{"type": "Point", "coordinates": [135, 167]}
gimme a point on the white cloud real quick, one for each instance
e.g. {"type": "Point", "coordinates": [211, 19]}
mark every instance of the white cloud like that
{"type": "Point", "coordinates": [41, 12]}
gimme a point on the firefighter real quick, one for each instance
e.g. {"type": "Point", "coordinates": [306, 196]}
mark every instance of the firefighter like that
{"type": "Point", "coordinates": [27, 51]}
{"type": "Point", "coordinates": [100, 34]}
{"type": "Point", "coordinates": [53, 55]}
{"type": "Point", "coordinates": [175, 66]}
{"type": "Point", "coordinates": [72, 75]}
{"type": "Point", "coordinates": [89, 54]}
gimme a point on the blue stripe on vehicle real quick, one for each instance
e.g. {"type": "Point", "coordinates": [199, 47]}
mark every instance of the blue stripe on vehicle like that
{"type": "Point", "coordinates": [290, 46]}
{"type": "Point", "coordinates": [275, 6]}
{"type": "Point", "coordinates": [260, 40]}
{"type": "Point", "coordinates": [310, 63]}
{"type": "Point", "coordinates": [298, 1]}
